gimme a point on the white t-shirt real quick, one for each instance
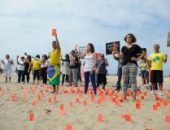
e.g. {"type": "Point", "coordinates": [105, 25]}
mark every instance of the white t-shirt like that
{"type": "Point", "coordinates": [89, 62]}
{"type": "Point", "coordinates": [65, 68]}
{"type": "Point", "coordinates": [20, 66]}
{"type": "Point", "coordinates": [44, 65]}
{"type": "Point", "coordinates": [7, 65]}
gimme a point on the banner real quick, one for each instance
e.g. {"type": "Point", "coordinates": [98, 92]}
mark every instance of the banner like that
{"type": "Point", "coordinates": [110, 47]}
{"type": "Point", "coordinates": [168, 40]}
{"type": "Point", "coordinates": [82, 51]}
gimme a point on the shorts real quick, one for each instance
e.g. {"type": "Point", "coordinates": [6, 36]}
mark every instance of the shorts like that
{"type": "Point", "coordinates": [36, 74]}
{"type": "Point", "coordinates": [156, 76]}
{"type": "Point", "coordinates": [144, 74]}
{"type": "Point", "coordinates": [7, 73]}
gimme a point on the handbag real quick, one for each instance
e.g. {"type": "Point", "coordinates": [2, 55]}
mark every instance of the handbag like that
{"type": "Point", "coordinates": [97, 70]}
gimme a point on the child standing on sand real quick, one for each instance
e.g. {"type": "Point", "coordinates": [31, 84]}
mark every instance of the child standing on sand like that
{"type": "Point", "coordinates": [143, 70]}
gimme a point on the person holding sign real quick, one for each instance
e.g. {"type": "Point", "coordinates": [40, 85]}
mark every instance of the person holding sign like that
{"type": "Point", "coordinates": [89, 68]}
{"type": "Point", "coordinates": [131, 53]}
{"type": "Point", "coordinates": [156, 61]}
{"type": "Point", "coordinates": [54, 65]}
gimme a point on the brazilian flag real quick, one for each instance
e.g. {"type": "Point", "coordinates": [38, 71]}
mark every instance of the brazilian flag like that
{"type": "Point", "coordinates": [53, 75]}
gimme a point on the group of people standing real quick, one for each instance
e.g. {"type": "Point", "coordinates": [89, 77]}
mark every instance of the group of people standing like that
{"type": "Point", "coordinates": [151, 68]}
{"type": "Point", "coordinates": [25, 65]}
{"type": "Point", "coordinates": [94, 68]}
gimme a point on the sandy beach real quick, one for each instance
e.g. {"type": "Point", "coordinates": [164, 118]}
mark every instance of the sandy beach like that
{"type": "Point", "coordinates": [28, 107]}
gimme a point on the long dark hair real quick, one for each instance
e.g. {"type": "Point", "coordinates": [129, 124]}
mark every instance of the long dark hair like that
{"type": "Point", "coordinates": [67, 58]}
{"type": "Point", "coordinates": [91, 47]}
{"type": "Point", "coordinates": [29, 58]}
{"type": "Point", "coordinates": [45, 57]}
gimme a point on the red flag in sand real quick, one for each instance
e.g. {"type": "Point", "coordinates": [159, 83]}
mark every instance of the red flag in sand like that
{"type": "Point", "coordinates": [167, 118]}
{"type": "Point", "coordinates": [62, 107]}
{"type": "Point", "coordinates": [78, 100]}
{"type": "Point", "coordinates": [100, 118]}
{"type": "Point", "coordinates": [155, 107]}
{"type": "Point", "coordinates": [92, 98]}
{"type": "Point", "coordinates": [127, 117]}
{"type": "Point", "coordinates": [49, 100]}
{"type": "Point", "coordinates": [138, 104]}
{"type": "Point", "coordinates": [69, 127]}
{"type": "Point", "coordinates": [61, 110]}
{"type": "Point", "coordinates": [31, 116]}
{"type": "Point", "coordinates": [85, 103]}
{"type": "Point", "coordinates": [14, 97]}
{"type": "Point", "coordinates": [34, 103]}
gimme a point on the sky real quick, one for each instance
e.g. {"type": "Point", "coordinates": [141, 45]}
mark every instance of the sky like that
{"type": "Point", "coordinates": [25, 25]}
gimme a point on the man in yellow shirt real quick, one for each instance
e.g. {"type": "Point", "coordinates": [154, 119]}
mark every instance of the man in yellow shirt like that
{"type": "Point", "coordinates": [156, 60]}
{"type": "Point", "coordinates": [54, 66]}
{"type": "Point", "coordinates": [36, 66]}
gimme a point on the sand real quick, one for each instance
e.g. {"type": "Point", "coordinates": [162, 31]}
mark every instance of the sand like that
{"type": "Point", "coordinates": [71, 108]}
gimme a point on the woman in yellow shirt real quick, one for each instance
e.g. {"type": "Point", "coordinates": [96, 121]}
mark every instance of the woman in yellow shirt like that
{"type": "Point", "coordinates": [36, 66]}
{"type": "Point", "coordinates": [54, 66]}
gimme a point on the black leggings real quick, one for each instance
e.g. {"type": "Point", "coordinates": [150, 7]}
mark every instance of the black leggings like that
{"type": "Point", "coordinates": [27, 74]}
{"type": "Point", "coordinates": [64, 78]}
{"type": "Point", "coordinates": [101, 79]}
{"type": "Point", "coordinates": [44, 75]}
{"type": "Point", "coordinates": [20, 75]}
